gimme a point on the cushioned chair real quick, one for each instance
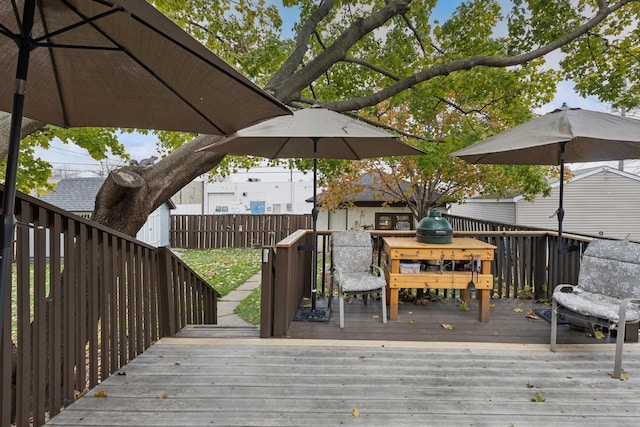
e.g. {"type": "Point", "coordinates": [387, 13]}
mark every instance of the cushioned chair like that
{"type": "Point", "coordinates": [353, 271]}
{"type": "Point", "coordinates": [607, 293]}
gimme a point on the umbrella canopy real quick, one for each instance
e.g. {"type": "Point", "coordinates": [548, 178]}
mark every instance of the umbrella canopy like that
{"type": "Point", "coordinates": [337, 137]}
{"type": "Point", "coordinates": [122, 64]}
{"type": "Point", "coordinates": [314, 133]}
{"type": "Point", "coordinates": [587, 136]}
{"type": "Point", "coordinates": [563, 135]}
{"type": "Point", "coordinates": [111, 63]}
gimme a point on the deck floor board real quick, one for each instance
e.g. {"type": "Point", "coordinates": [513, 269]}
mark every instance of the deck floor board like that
{"type": "Point", "coordinates": [402, 373]}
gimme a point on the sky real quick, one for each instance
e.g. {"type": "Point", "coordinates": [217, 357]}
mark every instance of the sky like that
{"type": "Point", "coordinates": [76, 160]}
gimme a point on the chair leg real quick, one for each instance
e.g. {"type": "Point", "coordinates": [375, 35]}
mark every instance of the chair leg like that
{"type": "Point", "coordinates": [341, 309]}
{"type": "Point", "coordinates": [617, 366]}
{"type": "Point", "coordinates": [384, 305]}
{"type": "Point", "coordinates": [554, 325]}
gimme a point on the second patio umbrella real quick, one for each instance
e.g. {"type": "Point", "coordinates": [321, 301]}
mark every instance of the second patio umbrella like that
{"type": "Point", "coordinates": [565, 135]}
{"type": "Point", "coordinates": [315, 133]}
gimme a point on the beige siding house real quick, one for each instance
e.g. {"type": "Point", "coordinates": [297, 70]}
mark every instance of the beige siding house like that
{"type": "Point", "coordinates": [600, 201]}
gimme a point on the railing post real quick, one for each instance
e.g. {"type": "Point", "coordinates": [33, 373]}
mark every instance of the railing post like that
{"type": "Point", "coordinates": [541, 268]}
{"type": "Point", "coordinates": [166, 309]}
{"type": "Point", "coordinates": [267, 292]}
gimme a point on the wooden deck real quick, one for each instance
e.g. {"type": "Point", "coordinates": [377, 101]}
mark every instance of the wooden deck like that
{"type": "Point", "coordinates": [408, 372]}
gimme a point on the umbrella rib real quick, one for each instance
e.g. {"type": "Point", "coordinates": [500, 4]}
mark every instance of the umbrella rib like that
{"type": "Point", "coordinates": [255, 89]}
{"type": "Point", "coordinates": [355, 155]}
{"type": "Point", "coordinates": [91, 21]}
{"type": "Point", "coordinates": [280, 148]}
{"type": "Point", "coordinates": [85, 20]}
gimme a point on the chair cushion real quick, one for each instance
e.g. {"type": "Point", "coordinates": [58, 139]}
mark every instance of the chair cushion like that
{"type": "Point", "coordinates": [360, 282]}
{"type": "Point", "coordinates": [595, 304]}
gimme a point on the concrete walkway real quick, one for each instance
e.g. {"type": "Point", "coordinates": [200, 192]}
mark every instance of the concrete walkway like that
{"type": "Point", "coordinates": [229, 302]}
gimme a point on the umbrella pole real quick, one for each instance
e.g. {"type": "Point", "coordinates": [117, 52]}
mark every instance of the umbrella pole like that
{"type": "Point", "coordinates": [9, 193]}
{"type": "Point", "coordinates": [305, 313]}
{"type": "Point", "coordinates": [560, 216]}
{"type": "Point", "coordinates": [314, 217]}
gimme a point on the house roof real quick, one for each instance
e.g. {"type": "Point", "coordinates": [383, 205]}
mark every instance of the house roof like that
{"type": "Point", "coordinates": [75, 194]}
{"type": "Point", "coordinates": [367, 196]}
{"type": "Point", "coordinates": [78, 194]}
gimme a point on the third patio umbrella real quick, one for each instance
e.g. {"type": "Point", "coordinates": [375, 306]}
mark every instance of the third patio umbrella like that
{"type": "Point", "coordinates": [111, 63]}
{"type": "Point", "coordinates": [315, 133]}
{"type": "Point", "coordinates": [565, 135]}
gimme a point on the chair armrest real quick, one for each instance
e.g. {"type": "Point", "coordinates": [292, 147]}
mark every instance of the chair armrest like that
{"type": "Point", "coordinates": [336, 274]}
{"type": "Point", "coordinates": [375, 268]}
{"type": "Point", "coordinates": [563, 286]}
{"type": "Point", "coordinates": [623, 309]}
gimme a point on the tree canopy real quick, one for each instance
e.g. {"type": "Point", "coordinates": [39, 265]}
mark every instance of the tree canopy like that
{"type": "Point", "coordinates": [440, 83]}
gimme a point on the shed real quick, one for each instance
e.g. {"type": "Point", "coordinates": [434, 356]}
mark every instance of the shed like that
{"type": "Point", "coordinates": [78, 196]}
{"type": "Point", "coordinates": [600, 201]}
{"type": "Point", "coordinates": [368, 212]}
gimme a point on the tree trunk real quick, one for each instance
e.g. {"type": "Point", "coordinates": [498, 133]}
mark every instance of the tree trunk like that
{"type": "Point", "coordinates": [131, 193]}
{"type": "Point", "coordinates": [28, 127]}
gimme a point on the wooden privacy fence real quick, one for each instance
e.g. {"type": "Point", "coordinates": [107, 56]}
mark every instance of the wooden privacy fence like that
{"type": "Point", "coordinates": [233, 230]}
{"type": "Point", "coordinates": [85, 300]}
{"type": "Point", "coordinates": [524, 263]}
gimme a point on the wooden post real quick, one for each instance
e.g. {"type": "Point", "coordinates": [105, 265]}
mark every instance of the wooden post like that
{"type": "Point", "coordinates": [267, 293]}
{"type": "Point", "coordinates": [166, 309]}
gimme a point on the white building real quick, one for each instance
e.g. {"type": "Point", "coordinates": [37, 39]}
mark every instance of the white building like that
{"type": "Point", "coordinates": [258, 190]}
{"type": "Point", "coordinates": [601, 201]}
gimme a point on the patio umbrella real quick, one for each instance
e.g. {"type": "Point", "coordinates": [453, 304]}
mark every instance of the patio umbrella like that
{"type": "Point", "coordinates": [111, 63]}
{"type": "Point", "coordinates": [565, 135]}
{"type": "Point", "coordinates": [315, 133]}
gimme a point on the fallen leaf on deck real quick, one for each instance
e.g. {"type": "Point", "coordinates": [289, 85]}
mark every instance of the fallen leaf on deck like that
{"type": "Point", "coordinates": [446, 326]}
{"type": "Point", "coordinates": [100, 393]}
{"type": "Point", "coordinates": [531, 315]}
{"type": "Point", "coordinates": [355, 412]}
{"type": "Point", "coordinates": [163, 396]}
{"type": "Point", "coordinates": [518, 310]}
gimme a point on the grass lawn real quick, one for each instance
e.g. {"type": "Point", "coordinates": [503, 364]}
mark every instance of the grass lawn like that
{"type": "Point", "coordinates": [226, 269]}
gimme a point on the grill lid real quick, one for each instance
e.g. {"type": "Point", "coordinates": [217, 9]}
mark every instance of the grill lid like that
{"type": "Point", "coordinates": [434, 229]}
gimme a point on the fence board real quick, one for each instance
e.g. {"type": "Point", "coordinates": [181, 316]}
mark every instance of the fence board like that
{"type": "Point", "coordinates": [233, 230]}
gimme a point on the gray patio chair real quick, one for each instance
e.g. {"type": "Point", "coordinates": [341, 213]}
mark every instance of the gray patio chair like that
{"type": "Point", "coordinates": [353, 270]}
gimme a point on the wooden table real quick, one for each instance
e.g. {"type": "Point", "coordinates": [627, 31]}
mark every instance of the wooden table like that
{"type": "Point", "coordinates": [462, 249]}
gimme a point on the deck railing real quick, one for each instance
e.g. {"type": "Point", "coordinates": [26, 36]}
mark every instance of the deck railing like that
{"type": "Point", "coordinates": [233, 230]}
{"type": "Point", "coordinates": [85, 300]}
{"type": "Point", "coordinates": [524, 262]}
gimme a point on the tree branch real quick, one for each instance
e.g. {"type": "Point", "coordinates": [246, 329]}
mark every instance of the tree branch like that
{"type": "Point", "coordinates": [304, 35]}
{"type": "Point", "coordinates": [287, 86]}
{"type": "Point", "coordinates": [472, 62]}
{"type": "Point", "coordinates": [371, 66]}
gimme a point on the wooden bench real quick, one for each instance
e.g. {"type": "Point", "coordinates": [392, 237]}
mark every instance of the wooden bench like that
{"type": "Point", "coordinates": [607, 293]}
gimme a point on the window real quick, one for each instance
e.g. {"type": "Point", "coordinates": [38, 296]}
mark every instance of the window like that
{"type": "Point", "coordinates": [394, 221]}
{"type": "Point", "coordinates": [222, 209]}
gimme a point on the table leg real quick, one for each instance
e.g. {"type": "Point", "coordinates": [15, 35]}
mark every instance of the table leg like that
{"type": "Point", "coordinates": [466, 296]}
{"type": "Point", "coordinates": [393, 304]}
{"type": "Point", "coordinates": [484, 301]}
